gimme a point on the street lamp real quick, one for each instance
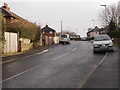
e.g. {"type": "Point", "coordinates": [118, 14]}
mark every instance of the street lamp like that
{"type": "Point", "coordinates": [105, 12]}
{"type": "Point", "coordinates": [93, 22]}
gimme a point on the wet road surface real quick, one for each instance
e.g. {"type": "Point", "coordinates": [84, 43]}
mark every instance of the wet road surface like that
{"type": "Point", "coordinates": [64, 66]}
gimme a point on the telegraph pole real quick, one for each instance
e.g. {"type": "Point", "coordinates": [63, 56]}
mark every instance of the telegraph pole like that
{"type": "Point", "coordinates": [61, 27]}
{"type": "Point", "coordinates": [105, 12]}
{"type": "Point", "coordinates": [76, 31]}
{"type": "Point", "coordinates": [93, 22]}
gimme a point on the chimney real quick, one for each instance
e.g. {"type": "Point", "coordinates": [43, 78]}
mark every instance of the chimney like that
{"type": "Point", "coordinates": [6, 6]}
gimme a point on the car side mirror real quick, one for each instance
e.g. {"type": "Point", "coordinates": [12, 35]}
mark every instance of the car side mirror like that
{"type": "Point", "coordinates": [112, 39]}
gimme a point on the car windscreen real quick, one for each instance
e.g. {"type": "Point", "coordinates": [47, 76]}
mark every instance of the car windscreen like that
{"type": "Point", "coordinates": [101, 38]}
{"type": "Point", "coordinates": [63, 36]}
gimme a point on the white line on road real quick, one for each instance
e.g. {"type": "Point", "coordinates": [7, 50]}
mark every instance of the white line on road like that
{"type": "Point", "coordinates": [74, 49]}
{"type": "Point", "coordinates": [19, 74]}
{"type": "Point", "coordinates": [91, 73]}
{"type": "Point", "coordinates": [60, 56]}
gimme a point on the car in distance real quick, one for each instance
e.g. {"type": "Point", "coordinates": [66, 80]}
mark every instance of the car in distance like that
{"type": "Point", "coordinates": [102, 43]}
{"type": "Point", "coordinates": [64, 39]}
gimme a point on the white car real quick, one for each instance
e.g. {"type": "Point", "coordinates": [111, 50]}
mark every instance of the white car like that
{"type": "Point", "coordinates": [64, 38]}
{"type": "Point", "coordinates": [102, 43]}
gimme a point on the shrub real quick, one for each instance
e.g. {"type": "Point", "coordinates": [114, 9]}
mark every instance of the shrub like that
{"type": "Point", "coordinates": [25, 29]}
{"type": "Point", "coordinates": [114, 34]}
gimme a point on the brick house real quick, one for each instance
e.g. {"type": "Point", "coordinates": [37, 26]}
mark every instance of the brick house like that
{"type": "Point", "coordinates": [8, 15]}
{"type": "Point", "coordinates": [93, 32]}
{"type": "Point", "coordinates": [10, 18]}
{"type": "Point", "coordinates": [47, 31]}
{"type": "Point", "coordinates": [48, 35]}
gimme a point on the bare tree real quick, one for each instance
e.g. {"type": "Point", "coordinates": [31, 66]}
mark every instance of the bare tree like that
{"type": "Point", "coordinates": [109, 14]}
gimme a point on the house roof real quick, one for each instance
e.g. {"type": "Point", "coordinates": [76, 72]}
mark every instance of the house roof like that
{"type": "Point", "coordinates": [8, 13]}
{"type": "Point", "coordinates": [46, 28]}
{"type": "Point", "coordinates": [95, 29]}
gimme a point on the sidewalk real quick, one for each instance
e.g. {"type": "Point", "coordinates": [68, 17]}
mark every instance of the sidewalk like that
{"type": "Point", "coordinates": [106, 76]}
{"type": "Point", "coordinates": [27, 53]}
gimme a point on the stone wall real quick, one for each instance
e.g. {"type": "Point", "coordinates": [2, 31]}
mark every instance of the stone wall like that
{"type": "Point", "coordinates": [24, 44]}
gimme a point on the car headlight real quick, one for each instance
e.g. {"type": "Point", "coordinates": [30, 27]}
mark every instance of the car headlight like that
{"type": "Point", "coordinates": [111, 43]}
{"type": "Point", "coordinates": [95, 45]}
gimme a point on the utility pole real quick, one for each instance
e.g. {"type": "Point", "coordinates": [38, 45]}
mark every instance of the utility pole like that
{"type": "Point", "coordinates": [93, 22]}
{"type": "Point", "coordinates": [105, 13]}
{"type": "Point", "coordinates": [76, 31]}
{"type": "Point", "coordinates": [61, 27]}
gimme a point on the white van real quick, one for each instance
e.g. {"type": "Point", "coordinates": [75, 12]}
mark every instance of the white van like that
{"type": "Point", "coordinates": [102, 43]}
{"type": "Point", "coordinates": [64, 39]}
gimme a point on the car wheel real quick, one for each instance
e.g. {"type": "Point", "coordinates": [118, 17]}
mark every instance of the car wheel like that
{"type": "Point", "coordinates": [94, 51]}
{"type": "Point", "coordinates": [68, 42]}
{"type": "Point", "coordinates": [63, 43]}
{"type": "Point", "coordinates": [112, 50]}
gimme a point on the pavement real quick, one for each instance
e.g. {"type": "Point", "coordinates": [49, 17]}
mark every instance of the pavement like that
{"type": "Point", "coordinates": [15, 56]}
{"type": "Point", "coordinates": [64, 66]}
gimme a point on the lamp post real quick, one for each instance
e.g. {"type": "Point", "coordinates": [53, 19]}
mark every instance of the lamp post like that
{"type": "Point", "coordinates": [61, 27]}
{"type": "Point", "coordinates": [93, 22]}
{"type": "Point", "coordinates": [105, 12]}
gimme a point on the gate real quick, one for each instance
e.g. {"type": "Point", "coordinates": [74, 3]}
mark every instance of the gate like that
{"type": "Point", "coordinates": [11, 42]}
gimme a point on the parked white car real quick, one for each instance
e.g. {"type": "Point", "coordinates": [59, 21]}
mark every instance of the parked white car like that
{"type": "Point", "coordinates": [64, 38]}
{"type": "Point", "coordinates": [102, 43]}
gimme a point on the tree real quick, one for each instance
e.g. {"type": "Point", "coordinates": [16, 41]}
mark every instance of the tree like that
{"type": "Point", "coordinates": [112, 26]}
{"type": "Point", "coordinates": [109, 14]}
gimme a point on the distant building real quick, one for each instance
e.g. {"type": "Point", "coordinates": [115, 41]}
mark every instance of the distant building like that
{"type": "Point", "coordinates": [47, 31]}
{"type": "Point", "coordinates": [93, 32]}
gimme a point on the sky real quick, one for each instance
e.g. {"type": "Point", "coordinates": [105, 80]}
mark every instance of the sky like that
{"type": "Point", "coordinates": [76, 15]}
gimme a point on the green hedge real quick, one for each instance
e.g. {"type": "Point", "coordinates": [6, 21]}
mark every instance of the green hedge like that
{"type": "Point", "coordinates": [26, 29]}
{"type": "Point", "coordinates": [114, 34]}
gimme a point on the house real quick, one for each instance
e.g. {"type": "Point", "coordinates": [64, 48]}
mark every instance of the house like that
{"type": "Point", "coordinates": [104, 30]}
{"type": "Point", "coordinates": [13, 43]}
{"type": "Point", "coordinates": [47, 31]}
{"type": "Point", "coordinates": [48, 35]}
{"type": "Point", "coordinates": [8, 15]}
{"type": "Point", "coordinates": [93, 32]}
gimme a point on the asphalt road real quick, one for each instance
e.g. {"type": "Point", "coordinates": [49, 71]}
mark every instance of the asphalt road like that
{"type": "Point", "coordinates": [64, 66]}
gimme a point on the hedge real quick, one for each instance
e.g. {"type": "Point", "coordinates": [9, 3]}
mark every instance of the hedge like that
{"type": "Point", "coordinates": [114, 34]}
{"type": "Point", "coordinates": [25, 29]}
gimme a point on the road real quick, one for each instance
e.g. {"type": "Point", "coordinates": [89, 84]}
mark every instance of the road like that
{"type": "Point", "coordinates": [64, 66]}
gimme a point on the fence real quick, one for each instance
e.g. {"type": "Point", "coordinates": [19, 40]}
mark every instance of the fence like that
{"type": "Point", "coordinates": [11, 42]}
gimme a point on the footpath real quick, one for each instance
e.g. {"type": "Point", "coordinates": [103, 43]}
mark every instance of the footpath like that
{"type": "Point", "coordinates": [34, 51]}
{"type": "Point", "coordinates": [107, 74]}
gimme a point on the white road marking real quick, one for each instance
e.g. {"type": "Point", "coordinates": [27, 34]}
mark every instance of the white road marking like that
{"type": "Point", "coordinates": [60, 56]}
{"type": "Point", "coordinates": [74, 49]}
{"type": "Point", "coordinates": [93, 70]}
{"type": "Point", "coordinates": [19, 74]}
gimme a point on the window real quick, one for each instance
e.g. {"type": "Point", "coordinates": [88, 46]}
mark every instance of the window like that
{"type": "Point", "coordinates": [50, 32]}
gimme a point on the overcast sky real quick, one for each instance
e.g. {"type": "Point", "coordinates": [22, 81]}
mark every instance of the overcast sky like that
{"type": "Point", "coordinates": [75, 14]}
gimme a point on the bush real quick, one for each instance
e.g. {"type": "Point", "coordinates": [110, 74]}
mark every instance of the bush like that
{"type": "Point", "coordinates": [26, 29]}
{"type": "Point", "coordinates": [114, 34]}
{"type": "Point", "coordinates": [2, 30]}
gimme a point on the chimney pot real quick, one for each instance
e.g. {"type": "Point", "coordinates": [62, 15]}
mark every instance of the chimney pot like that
{"type": "Point", "coordinates": [6, 6]}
